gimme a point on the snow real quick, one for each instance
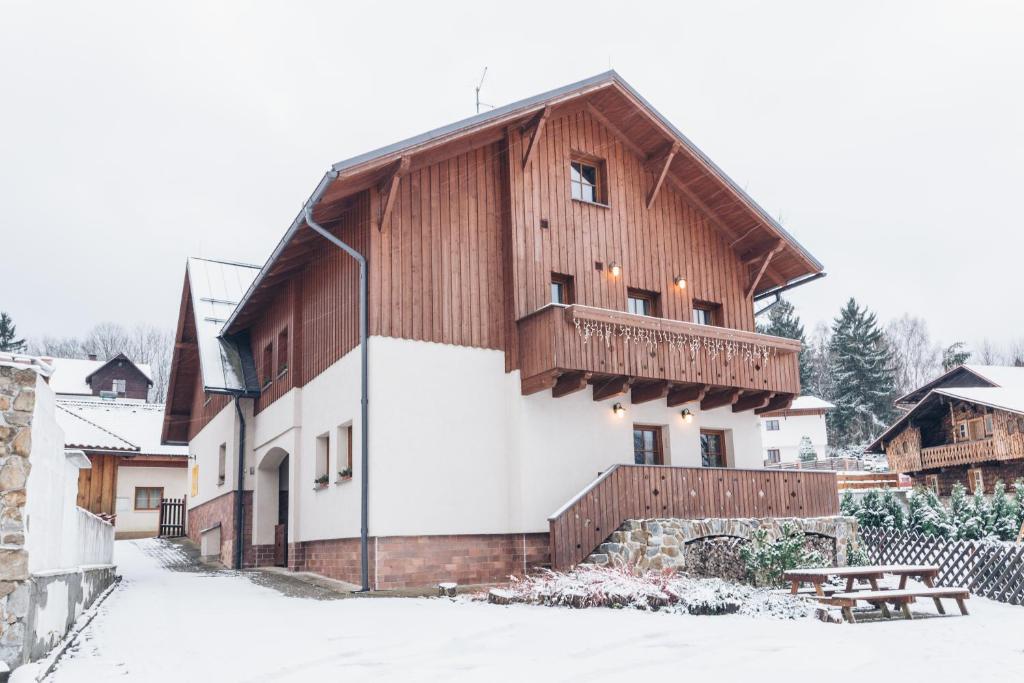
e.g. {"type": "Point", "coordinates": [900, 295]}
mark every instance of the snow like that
{"type": "Point", "coordinates": [136, 423]}
{"type": "Point", "coordinates": [810, 403]}
{"type": "Point", "coordinates": [162, 624]}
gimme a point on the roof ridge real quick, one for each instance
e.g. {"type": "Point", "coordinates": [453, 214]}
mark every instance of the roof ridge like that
{"type": "Point", "coordinates": [97, 426]}
{"type": "Point", "coordinates": [223, 261]}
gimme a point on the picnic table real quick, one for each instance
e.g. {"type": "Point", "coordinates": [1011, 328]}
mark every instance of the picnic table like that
{"type": "Point", "coordinates": [876, 595]}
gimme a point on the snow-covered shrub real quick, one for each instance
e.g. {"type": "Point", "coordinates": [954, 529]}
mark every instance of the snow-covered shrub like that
{"type": "Point", "coordinates": [807, 452]}
{"type": "Point", "coordinates": [848, 504]}
{"type": "Point", "coordinates": [879, 510]}
{"type": "Point", "coordinates": [767, 560]}
{"type": "Point", "coordinates": [928, 515]}
{"type": "Point", "coordinates": [590, 586]}
{"type": "Point", "coordinates": [1001, 520]}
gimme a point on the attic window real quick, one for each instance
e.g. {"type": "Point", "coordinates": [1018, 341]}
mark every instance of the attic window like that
{"type": "Point", "coordinates": [586, 178]}
{"type": "Point", "coordinates": [268, 365]}
{"type": "Point", "coordinates": [282, 352]}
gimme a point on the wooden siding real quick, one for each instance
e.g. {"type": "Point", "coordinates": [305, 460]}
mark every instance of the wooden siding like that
{"type": "Point", "coordinates": [436, 264]}
{"type": "Point", "coordinates": [549, 341]}
{"type": "Point", "coordinates": [672, 238]}
{"type": "Point", "coordinates": [651, 491]}
{"type": "Point", "coordinates": [97, 486]}
{"type": "Point", "coordinates": [906, 451]}
{"type": "Point", "coordinates": [276, 318]}
{"type": "Point", "coordinates": [205, 407]}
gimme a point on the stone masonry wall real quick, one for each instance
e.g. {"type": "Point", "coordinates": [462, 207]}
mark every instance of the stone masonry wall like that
{"type": "Point", "coordinates": [17, 405]}
{"type": "Point", "coordinates": [710, 547]}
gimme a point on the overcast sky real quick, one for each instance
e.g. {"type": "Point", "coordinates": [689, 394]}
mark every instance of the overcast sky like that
{"type": "Point", "coordinates": [887, 137]}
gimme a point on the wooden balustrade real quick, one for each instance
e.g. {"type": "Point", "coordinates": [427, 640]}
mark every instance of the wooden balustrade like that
{"type": "Point", "coordinates": [655, 491]}
{"type": "Point", "coordinates": [961, 453]}
{"type": "Point", "coordinates": [551, 344]}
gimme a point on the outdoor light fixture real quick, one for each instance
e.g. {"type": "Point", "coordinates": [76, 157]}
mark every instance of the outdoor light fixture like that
{"type": "Point", "coordinates": [619, 409]}
{"type": "Point", "coordinates": [687, 415]}
{"type": "Point", "coordinates": [680, 281]}
{"type": "Point", "coordinates": [615, 269]}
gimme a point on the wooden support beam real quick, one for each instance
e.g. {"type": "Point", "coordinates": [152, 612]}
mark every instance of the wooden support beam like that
{"type": "Point", "coordinates": [389, 189]}
{"type": "Point", "coordinates": [612, 387]}
{"type": "Point", "coordinates": [667, 161]}
{"type": "Point", "coordinates": [545, 380]}
{"type": "Point", "coordinates": [570, 383]}
{"type": "Point", "coordinates": [719, 399]}
{"type": "Point", "coordinates": [614, 130]}
{"type": "Point", "coordinates": [681, 395]}
{"type": "Point", "coordinates": [538, 128]}
{"type": "Point", "coordinates": [651, 391]}
{"type": "Point", "coordinates": [752, 401]}
{"type": "Point", "coordinates": [764, 266]}
{"type": "Point", "coordinates": [777, 402]}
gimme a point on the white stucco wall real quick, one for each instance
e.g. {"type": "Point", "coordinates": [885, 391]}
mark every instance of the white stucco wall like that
{"type": "Point", "coordinates": [455, 448]}
{"type": "Point", "coordinates": [173, 480]}
{"type": "Point", "coordinates": [205, 452]}
{"type": "Point", "coordinates": [791, 429]}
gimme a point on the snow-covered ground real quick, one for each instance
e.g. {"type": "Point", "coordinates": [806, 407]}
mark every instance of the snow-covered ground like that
{"type": "Point", "coordinates": [166, 625]}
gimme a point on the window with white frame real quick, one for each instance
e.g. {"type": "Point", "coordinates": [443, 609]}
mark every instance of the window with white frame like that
{"type": "Point", "coordinates": [119, 386]}
{"type": "Point", "coordinates": [323, 457]}
{"type": "Point", "coordinates": [774, 455]}
{"type": "Point", "coordinates": [771, 425]}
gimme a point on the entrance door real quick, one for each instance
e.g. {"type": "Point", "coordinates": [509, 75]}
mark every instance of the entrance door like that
{"type": "Point", "coordinates": [281, 530]}
{"type": "Point", "coordinates": [712, 448]}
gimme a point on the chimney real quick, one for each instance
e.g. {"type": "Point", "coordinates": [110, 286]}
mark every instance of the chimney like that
{"type": "Point", "coordinates": [92, 356]}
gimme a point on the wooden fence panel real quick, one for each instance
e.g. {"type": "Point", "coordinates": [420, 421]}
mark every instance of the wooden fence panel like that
{"type": "Point", "coordinates": [987, 568]}
{"type": "Point", "coordinates": [172, 518]}
{"type": "Point", "coordinates": [650, 491]}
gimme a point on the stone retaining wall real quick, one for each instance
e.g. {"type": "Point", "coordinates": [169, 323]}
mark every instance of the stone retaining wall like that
{"type": "Point", "coordinates": [710, 547]}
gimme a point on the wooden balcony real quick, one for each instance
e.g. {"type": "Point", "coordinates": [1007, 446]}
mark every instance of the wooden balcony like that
{"type": "Point", "coordinates": [567, 348]}
{"type": "Point", "coordinates": [652, 491]}
{"type": "Point", "coordinates": [962, 453]}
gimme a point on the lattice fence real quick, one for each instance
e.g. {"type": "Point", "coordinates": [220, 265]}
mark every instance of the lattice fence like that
{"type": "Point", "coordinates": [990, 569]}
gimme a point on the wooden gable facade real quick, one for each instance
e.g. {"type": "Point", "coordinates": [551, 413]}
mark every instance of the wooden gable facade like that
{"type": "Point", "coordinates": [463, 232]}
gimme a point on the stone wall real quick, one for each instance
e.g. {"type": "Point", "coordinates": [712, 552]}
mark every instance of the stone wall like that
{"type": "Point", "coordinates": [710, 547]}
{"type": "Point", "coordinates": [17, 405]}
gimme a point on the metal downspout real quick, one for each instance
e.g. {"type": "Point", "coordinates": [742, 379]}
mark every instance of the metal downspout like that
{"type": "Point", "coordinates": [240, 488]}
{"type": "Point", "coordinates": [364, 571]}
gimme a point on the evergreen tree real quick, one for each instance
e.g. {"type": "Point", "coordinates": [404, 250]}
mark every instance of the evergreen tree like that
{"type": "Point", "coordinates": [1001, 520]}
{"type": "Point", "coordinates": [8, 333]}
{"type": "Point", "coordinates": [807, 452]}
{"type": "Point", "coordinates": [954, 355]}
{"type": "Point", "coordinates": [1018, 501]}
{"type": "Point", "coordinates": [879, 510]}
{"type": "Point", "coordinates": [928, 515]}
{"type": "Point", "coordinates": [863, 375]}
{"type": "Point", "coordinates": [784, 322]}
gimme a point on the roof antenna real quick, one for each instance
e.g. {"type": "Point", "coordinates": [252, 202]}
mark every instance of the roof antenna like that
{"type": "Point", "coordinates": [480, 85]}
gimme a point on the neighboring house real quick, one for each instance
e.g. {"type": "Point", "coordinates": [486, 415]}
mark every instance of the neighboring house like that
{"type": "Point", "coordinates": [118, 377]}
{"type": "Point", "coordinates": [967, 426]}
{"type": "Point", "coordinates": [55, 558]}
{"type": "Point", "coordinates": [783, 430]}
{"type": "Point", "coordinates": [554, 287]}
{"type": "Point", "coordinates": [101, 406]}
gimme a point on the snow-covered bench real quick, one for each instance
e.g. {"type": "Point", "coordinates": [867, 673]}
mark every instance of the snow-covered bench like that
{"type": "Point", "coordinates": [900, 598]}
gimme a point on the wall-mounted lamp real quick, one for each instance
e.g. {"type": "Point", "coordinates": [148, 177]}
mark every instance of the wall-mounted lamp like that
{"type": "Point", "coordinates": [615, 269]}
{"type": "Point", "coordinates": [619, 410]}
{"type": "Point", "coordinates": [679, 281]}
{"type": "Point", "coordinates": [687, 415]}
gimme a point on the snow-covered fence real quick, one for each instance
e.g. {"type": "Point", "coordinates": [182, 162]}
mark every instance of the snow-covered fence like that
{"type": "Point", "coordinates": [991, 569]}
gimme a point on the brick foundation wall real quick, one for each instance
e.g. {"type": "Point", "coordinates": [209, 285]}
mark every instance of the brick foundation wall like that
{"type": "Point", "coordinates": [1009, 471]}
{"type": "Point", "coordinates": [222, 509]}
{"type": "Point", "coordinates": [411, 561]}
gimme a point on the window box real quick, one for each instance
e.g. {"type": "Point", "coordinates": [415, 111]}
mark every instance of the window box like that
{"type": "Point", "coordinates": [343, 476]}
{"type": "Point", "coordinates": [320, 482]}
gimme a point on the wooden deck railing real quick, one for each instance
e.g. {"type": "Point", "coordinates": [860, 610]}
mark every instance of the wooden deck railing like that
{"type": "Point", "coordinates": [550, 341]}
{"type": "Point", "coordinates": [648, 491]}
{"type": "Point", "coordinates": [958, 453]}
{"type": "Point", "coordinates": [845, 464]}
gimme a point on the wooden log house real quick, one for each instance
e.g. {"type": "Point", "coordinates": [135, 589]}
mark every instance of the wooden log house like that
{"type": "Point", "coordinates": [555, 287]}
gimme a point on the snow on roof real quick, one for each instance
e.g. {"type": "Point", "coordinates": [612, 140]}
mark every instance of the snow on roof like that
{"type": "Point", "coordinates": [216, 288]}
{"type": "Point", "coordinates": [22, 361]}
{"type": "Point", "coordinates": [69, 375]}
{"type": "Point", "coordinates": [1003, 398]}
{"type": "Point", "coordinates": [810, 403]}
{"type": "Point", "coordinates": [1006, 376]}
{"type": "Point", "coordinates": [115, 425]}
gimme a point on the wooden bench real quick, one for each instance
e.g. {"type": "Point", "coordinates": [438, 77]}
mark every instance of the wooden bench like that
{"type": "Point", "coordinates": [900, 598]}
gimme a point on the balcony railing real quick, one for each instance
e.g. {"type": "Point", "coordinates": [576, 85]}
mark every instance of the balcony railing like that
{"type": "Point", "coordinates": [961, 453]}
{"type": "Point", "coordinates": [561, 339]}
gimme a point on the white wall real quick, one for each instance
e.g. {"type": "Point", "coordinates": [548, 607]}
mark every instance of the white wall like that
{"type": "Point", "coordinates": [204, 450]}
{"type": "Point", "coordinates": [791, 429]}
{"type": "Point", "coordinates": [173, 480]}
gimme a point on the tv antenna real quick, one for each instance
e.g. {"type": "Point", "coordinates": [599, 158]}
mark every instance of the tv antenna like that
{"type": "Point", "coordinates": [480, 85]}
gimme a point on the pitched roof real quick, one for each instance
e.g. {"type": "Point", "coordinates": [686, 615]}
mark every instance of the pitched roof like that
{"type": "Point", "coordinates": [71, 375]}
{"type": "Point", "coordinates": [608, 95]}
{"type": "Point", "coordinates": [115, 425]}
{"type": "Point", "coordinates": [216, 288]}
{"type": "Point", "coordinates": [995, 386]}
{"type": "Point", "coordinates": [810, 403]}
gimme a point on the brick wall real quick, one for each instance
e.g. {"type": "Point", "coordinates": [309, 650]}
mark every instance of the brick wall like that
{"type": "Point", "coordinates": [222, 509]}
{"type": "Point", "coordinates": [1009, 471]}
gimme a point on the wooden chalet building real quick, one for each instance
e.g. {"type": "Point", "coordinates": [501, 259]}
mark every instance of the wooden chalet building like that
{"type": "Point", "coordinates": [555, 287]}
{"type": "Point", "coordinates": [967, 426]}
